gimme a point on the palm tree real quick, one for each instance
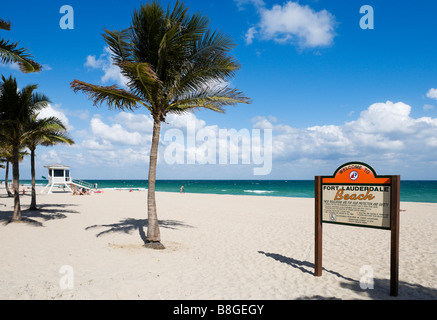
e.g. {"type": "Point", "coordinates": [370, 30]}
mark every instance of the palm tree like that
{"type": "Point", "coordinates": [46, 131]}
{"type": "Point", "coordinates": [174, 64]}
{"type": "Point", "coordinates": [6, 156]}
{"type": "Point", "coordinates": [16, 107]}
{"type": "Point", "coordinates": [10, 53]}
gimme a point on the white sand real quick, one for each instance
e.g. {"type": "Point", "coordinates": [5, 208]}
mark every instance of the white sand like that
{"type": "Point", "coordinates": [217, 247]}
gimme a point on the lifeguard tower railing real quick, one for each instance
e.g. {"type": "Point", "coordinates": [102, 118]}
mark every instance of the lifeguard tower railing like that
{"type": "Point", "coordinates": [82, 184]}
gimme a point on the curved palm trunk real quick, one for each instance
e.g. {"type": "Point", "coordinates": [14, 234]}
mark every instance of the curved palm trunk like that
{"type": "Point", "coordinates": [153, 234]}
{"type": "Point", "coordinates": [16, 183]}
{"type": "Point", "coordinates": [32, 171]}
{"type": "Point", "coordinates": [7, 180]}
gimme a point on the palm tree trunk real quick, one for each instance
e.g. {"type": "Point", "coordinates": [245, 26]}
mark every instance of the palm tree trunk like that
{"type": "Point", "coordinates": [7, 180]}
{"type": "Point", "coordinates": [32, 171]}
{"type": "Point", "coordinates": [153, 234]}
{"type": "Point", "coordinates": [16, 182]}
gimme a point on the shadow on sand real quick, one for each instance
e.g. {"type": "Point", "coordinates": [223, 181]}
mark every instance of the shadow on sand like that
{"type": "Point", "coordinates": [304, 266]}
{"type": "Point", "coordinates": [381, 290]}
{"type": "Point", "coordinates": [130, 225]}
{"type": "Point", "coordinates": [45, 212]}
{"type": "Point", "coordinates": [381, 287]}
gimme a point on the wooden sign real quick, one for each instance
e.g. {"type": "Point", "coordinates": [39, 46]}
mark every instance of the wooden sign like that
{"type": "Point", "coordinates": [355, 195]}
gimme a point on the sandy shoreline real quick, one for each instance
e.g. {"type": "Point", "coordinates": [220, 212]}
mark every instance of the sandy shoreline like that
{"type": "Point", "coordinates": [217, 247]}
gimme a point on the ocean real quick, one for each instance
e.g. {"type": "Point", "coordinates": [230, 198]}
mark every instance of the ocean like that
{"type": "Point", "coordinates": [412, 191]}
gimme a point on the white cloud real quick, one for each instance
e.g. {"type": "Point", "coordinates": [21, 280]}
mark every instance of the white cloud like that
{"type": "Point", "coordinates": [432, 93]}
{"type": "Point", "coordinates": [432, 142]}
{"type": "Point", "coordinates": [383, 130]}
{"type": "Point", "coordinates": [242, 3]}
{"type": "Point", "coordinates": [50, 157]}
{"type": "Point", "coordinates": [180, 121]}
{"type": "Point", "coordinates": [105, 63]}
{"type": "Point", "coordinates": [114, 133]}
{"type": "Point", "coordinates": [263, 123]}
{"type": "Point", "coordinates": [82, 114]}
{"type": "Point", "coordinates": [93, 144]}
{"type": "Point", "coordinates": [135, 122]}
{"type": "Point", "coordinates": [294, 23]}
{"type": "Point", "coordinates": [124, 141]}
{"type": "Point", "coordinates": [12, 66]}
{"type": "Point", "coordinates": [382, 133]}
{"type": "Point", "coordinates": [55, 111]}
{"type": "Point", "coordinates": [384, 117]}
{"type": "Point", "coordinates": [94, 63]}
{"type": "Point", "coordinates": [427, 107]}
{"type": "Point", "coordinates": [250, 35]}
{"type": "Point", "coordinates": [46, 67]}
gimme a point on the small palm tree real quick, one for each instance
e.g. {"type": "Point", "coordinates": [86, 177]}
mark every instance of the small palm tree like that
{"type": "Point", "coordinates": [46, 131]}
{"type": "Point", "coordinates": [16, 107]}
{"type": "Point", "coordinates": [6, 156]}
{"type": "Point", "coordinates": [174, 64]}
{"type": "Point", "coordinates": [10, 53]}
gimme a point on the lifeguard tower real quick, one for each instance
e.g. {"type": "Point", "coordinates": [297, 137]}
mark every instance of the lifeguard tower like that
{"type": "Point", "coordinates": [59, 175]}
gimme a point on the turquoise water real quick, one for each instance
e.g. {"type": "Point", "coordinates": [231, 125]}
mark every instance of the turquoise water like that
{"type": "Point", "coordinates": [414, 191]}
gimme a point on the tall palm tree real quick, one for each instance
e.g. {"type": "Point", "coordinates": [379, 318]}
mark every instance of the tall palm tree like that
{"type": "Point", "coordinates": [16, 107]}
{"type": "Point", "coordinates": [10, 53]}
{"type": "Point", "coordinates": [43, 131]}
{"type": "Point", "coordinates": [174, 64]}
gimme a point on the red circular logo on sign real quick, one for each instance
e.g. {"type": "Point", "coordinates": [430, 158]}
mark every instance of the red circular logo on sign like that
{"type": "Point", "coordinates": [353, 175]}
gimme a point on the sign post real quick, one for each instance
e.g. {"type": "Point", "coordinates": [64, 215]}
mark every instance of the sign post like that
{"type": "Point", "coordinates": [318, 230]}
{"type": "Point", "coordinates": [394, 247]}
{"type": "Point", "coordinates": [355, 195]}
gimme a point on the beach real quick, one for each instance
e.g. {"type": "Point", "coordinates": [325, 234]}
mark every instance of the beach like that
{"type": "Point", "coordinates": [217, 247]}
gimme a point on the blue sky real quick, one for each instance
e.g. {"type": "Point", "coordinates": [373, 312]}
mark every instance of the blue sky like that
{"type": "Point", "coordinates": [330, 91]}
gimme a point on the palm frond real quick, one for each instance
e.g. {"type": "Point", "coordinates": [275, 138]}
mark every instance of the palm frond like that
{"type": "Point", "coordinates": [207, 63]}
{"type": "Point", "coordinates": [113, 96]}
{"type": "Point", "coordinates": [56, 138]}
{"type": "Point", "coordinates": [142, 72]}
{"type": "Point", "coordinates": [147, 29]}
{"type": "Point", "coordinates": [142, 80]}
{"type": "Point", "coordinates": [118, 42]}
{"type": "Point", "coordinates": [209, 98]}
{"type": "Point", "coordinates": [46, 131]}
{"type": "Point", "coordinates": [9, 53]}
{"type": "Point", "coordinates": [41, 126]}
{"type": "Point", "coordinates": [50, 137]}
{"type": "Point", "coordinates": [5, 25]}
{"type": "Point", "coordinates": [39, 101]}
{"type": "Point", "coordinates": [26, 100]}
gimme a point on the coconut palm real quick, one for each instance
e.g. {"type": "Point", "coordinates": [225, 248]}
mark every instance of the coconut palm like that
{"type": "Point", "coordinates": [10, 53]}
{"type": "Point", "coordinates": [174, 64]}
{"type": "Point", "coordinates": [16, 107]}
{"type": "Point", "coordinates": [43, 131]}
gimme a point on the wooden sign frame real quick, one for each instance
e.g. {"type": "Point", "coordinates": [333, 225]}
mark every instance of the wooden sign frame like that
{"type": "Point", "coordinates": [362, 177]}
